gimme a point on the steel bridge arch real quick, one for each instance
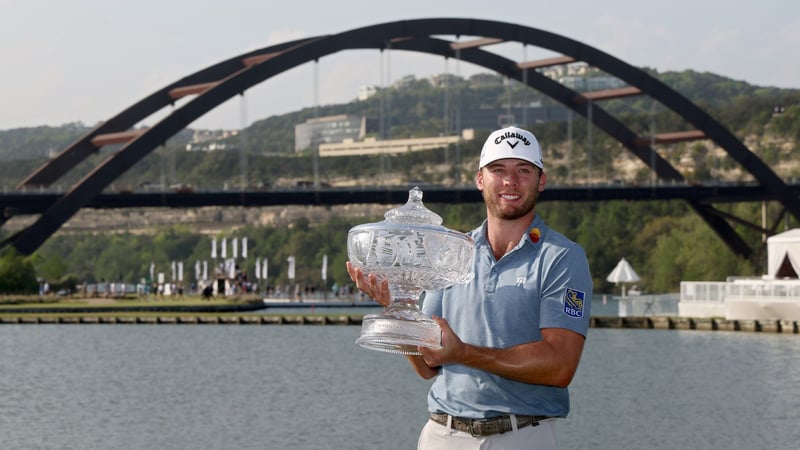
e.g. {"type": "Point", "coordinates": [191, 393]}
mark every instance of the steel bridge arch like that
{"type": "Point", "coordinates": [218, 83]}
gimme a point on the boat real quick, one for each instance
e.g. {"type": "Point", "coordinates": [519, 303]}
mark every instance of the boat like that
{"type": "Point", "coordinates": [774, 296]}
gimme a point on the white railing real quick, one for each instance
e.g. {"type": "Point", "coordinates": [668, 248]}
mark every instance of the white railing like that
{"type": "Point", "coordinates": [739, 289]}
{"type": "Point", "coordinates": [703, 291]}
{"type": "Point", "coordinates": [764, 290]}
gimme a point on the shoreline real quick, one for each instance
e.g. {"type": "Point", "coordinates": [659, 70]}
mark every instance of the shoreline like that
{"type": "Point", "coordinates": [279, 311]}
{"type": "Point", "coordinates": [182, 317]}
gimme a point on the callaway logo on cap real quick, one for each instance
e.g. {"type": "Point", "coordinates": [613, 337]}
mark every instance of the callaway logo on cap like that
{"type": "Point", "coordinates": [511, 142]}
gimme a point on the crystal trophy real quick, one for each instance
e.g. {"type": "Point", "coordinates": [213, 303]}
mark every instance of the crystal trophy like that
{"type": "Point", "coordinates": [413, 252]}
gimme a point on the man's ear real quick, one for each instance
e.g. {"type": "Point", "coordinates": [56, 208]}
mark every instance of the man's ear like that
{"type": "Point", "coordinates": [479, 180]}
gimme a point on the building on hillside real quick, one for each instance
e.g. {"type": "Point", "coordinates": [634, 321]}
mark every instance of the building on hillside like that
{"type": "Point", "coordinates": [344, 135]}
{"type": "Point", "coordinates": [588, 84]}
{"type": "Point", "coordinates": [210, 140]}
{"type": "Point", "coordinates": [329, 129]}
{"type": "Point", "coordinates": [372, 146]}
{"type": "Point", "coordinates": [581, 77]}
{"type": "Point", "coordinates": [576, 69]}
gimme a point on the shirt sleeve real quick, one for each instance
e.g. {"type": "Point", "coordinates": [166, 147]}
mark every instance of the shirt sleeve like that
{"type": "Point", "coordinates": [567, 292]}
{"type": "Point", "coordinates": [432, 302]}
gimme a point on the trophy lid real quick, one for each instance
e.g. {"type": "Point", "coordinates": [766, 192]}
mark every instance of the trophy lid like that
{"type": "Point", "coordinates": [413, 211]}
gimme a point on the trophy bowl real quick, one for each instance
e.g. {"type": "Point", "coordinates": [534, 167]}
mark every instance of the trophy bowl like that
{"type": "Point", "coordinates": [413, 252]}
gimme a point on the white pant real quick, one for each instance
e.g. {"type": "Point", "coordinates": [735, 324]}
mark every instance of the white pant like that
{"type": "Point", "coordinates": [435, 436]}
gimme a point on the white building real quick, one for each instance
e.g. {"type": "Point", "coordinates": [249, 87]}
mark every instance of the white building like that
{"type": "Point", "coordinates": [328, 129]}
{"type": "Point", "coordinates": [372, 146]}
{"type": "Point", "coordinates": [774, 296]}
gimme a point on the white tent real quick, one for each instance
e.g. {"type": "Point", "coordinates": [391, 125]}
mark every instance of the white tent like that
{"type": "Point", "coordinates": [623, 273]}
{"type": "Point", "coordinates": [782, 247]}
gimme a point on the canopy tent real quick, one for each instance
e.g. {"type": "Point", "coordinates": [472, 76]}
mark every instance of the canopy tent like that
{"type": "Point", "coordinates": [783, 254]}
{"type": "Point", "coordinates": [623, 273]}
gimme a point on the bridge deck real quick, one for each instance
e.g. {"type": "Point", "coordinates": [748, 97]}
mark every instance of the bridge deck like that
{"type": "Point", "coordinates": [21, 203]}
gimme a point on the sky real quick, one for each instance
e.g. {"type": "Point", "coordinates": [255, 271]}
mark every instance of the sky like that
{"type": "Point", "coordinates": [87, 60]}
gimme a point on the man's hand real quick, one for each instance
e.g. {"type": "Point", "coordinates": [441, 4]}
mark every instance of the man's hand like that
{"type": "Point", "coordinates": [551, 361]}
{"type": "Point", "coordinates": [451, 350]}
{"type": "Point", "coordinates": [369, 284]}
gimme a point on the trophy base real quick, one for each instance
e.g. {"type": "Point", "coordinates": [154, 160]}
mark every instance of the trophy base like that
{"type": "Point", "coordinates": [399, 331]}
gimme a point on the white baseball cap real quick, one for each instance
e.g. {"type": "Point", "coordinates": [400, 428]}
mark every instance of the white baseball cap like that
{"type": "Point", "coordinates": [511, 142]}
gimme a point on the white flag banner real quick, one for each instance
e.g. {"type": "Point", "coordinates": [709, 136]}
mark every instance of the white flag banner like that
{"type": "Point", "coordinates": [244, 247]}
{"type": "Point", "coordinates": [258, 269]}
{"type": "Point", "coordinates": [152, 271]}
{"type": "Point", "coordinates": [291, 267]}
{"type": "Point", "coordinates": [197, 270]}
{"type": "Point", "coordinates": [234, 248]}
{"type": "Point", "coordinates": [205, 270]}
{"type": "Point", "coordinates": [214, 248]}
{"type": "Point", "coordinates": [231, 269]}
{"type": "Point", "coordinates": [324, 267]}
{"type": "Point", "coordinates": [180, 270]}
{"type": "Point", "coordinates": [223, 251]}
{"type": "Point", "coordinates": [265, 269]}
{"type": "Point", "coordinates": [173, 270]}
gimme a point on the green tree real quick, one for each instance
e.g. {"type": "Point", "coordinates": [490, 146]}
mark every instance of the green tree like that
{"type": "Point", "coordinates": [17, 275]}
{"type": "Point", "coordinates": [51, 266]}
{"type": "Point", "coordinates": [676, 253]}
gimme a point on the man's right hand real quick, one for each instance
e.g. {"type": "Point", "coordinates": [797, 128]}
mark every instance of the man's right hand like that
{"type": "Point", "coordinates": [369, 284]}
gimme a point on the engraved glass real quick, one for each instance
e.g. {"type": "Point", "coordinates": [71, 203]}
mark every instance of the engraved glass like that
{"type": "Point", "coordinates": [414, 252]}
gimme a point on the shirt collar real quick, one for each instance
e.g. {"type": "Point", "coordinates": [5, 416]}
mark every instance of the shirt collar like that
{"type": "Point", "coordinates": [537, 224]}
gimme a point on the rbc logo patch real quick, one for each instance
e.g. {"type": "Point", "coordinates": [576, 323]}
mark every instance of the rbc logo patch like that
{"type": "Point", "coordinates": [573, 302]}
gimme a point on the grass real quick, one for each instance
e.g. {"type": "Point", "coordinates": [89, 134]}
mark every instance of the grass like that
{"type": "Point", "coordinates": [52, 309]}
{"type": "Point", "coordinates": [13, 304]}
{"type": "Point", "coordinates": [34, 301]}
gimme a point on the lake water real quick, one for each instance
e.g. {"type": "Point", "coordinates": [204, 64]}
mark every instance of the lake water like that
{"type": "Point", "coordinates": [309, 387]}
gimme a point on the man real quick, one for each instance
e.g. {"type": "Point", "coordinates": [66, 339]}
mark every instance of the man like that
{"type": "Point", "coordinates": [513, 336]}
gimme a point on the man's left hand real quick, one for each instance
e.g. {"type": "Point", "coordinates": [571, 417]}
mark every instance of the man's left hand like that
{"type": "Point", "coordinates": [451, 350]}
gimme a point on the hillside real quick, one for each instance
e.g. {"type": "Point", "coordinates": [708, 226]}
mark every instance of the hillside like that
{"type": "Point", "coordinates": [417, 109]}
{"type": "Point", "coordinates": [749, 111]}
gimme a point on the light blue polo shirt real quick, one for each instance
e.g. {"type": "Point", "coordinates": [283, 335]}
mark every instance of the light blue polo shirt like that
{"type": "Point", "coordinates": [544, 284]}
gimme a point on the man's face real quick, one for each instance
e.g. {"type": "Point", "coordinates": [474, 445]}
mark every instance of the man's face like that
{"type": "Point", "coordinates": [510, 187]}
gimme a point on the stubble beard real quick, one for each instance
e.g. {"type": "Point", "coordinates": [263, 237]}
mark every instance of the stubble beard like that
{"type": "Point", "coordinates": [496, 211]}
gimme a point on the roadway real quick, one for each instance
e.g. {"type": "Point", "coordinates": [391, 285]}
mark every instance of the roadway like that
{"type": "Point", "coordinates": [24, 203]}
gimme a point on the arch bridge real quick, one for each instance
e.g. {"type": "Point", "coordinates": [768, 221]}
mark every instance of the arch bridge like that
{"type": "Point", "coordinates": [212, 86]}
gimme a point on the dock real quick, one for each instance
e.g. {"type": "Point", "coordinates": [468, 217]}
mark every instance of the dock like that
{"type": "Point", "coordinates": [651, 323]}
